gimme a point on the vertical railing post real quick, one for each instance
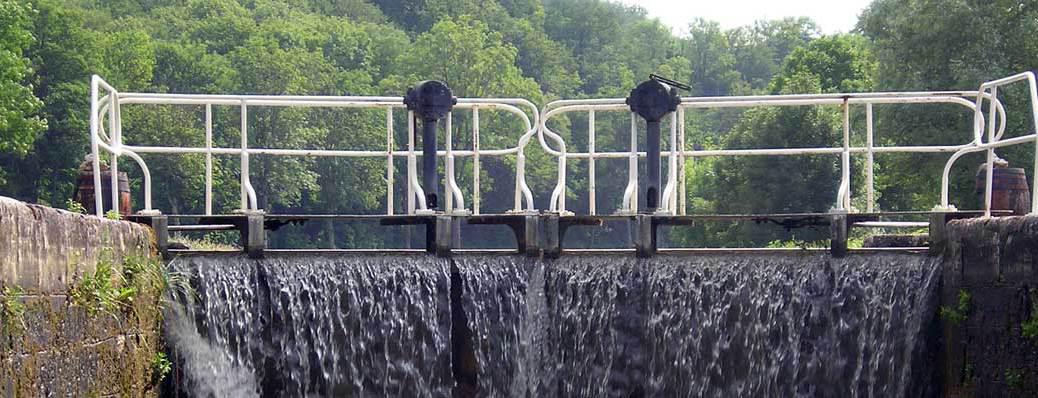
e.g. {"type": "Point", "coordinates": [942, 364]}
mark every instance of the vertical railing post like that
{"type": "Point", "coordinates": [631, 193]}
{"type": "Point", "coordinates": [244, 167]}
{"type": "Point", "coordinates": [869, 160]}
{"type": "Point", "coordinates": [208, 159]}
{"type": "Point", "coordinates": [1033, 86]}
{"type": "Point", "coordinates": [672, 166]}
{"type": "Point", "coordinates": [94, 138]}
{"type": "Point", "coordinates": [412, 169]}
{"type": "Point", "coordinates": [682, 184]}
{"type": "Point", "coordinates": [113, 169]}
{"type": "Point", "coordinates": [448, 191]}
{"type": "Point", "coordinates": [846, 157]}
{"type": "Point", "coordinates": [475, 160]}
{"type": "Point", "coordinates": [991, 151]}
{"type": "Point", "coordinates": [389, 161]}
{"type": "Point", "coordinates": [591, 162]}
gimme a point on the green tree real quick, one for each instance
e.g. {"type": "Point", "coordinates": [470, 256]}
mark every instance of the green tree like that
{"type": "Point", "coordinates": [19, 121]}
{"type": "Point", "coordinates": [473, 60]}
{"type": "Point", "coordinates": [941, 45]}
{"type": "Point", "coordinates": [64, 54]}
{"type": "Point", "coordinates": [760, 49]}
{"type": "Point", "coordinates": [785, 184]}
{"type": "Point", "coordinates": [713, 64]}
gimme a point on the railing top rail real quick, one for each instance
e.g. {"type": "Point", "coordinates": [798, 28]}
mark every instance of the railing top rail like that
{"type": "Point", "coordinates": [778, 97]}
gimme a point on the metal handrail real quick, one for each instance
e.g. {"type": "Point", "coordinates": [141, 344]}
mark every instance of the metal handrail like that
{"type": "Point", "coordinates": [110, 104]}
{"type": "Point", "coordinates": [674, 198]}
{"type": "Point", "coordinates": [989, 90]}
{"type": "Point", "coordinates": [106, 103]}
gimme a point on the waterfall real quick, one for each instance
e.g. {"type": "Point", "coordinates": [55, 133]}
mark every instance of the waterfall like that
{"type": "Point", "coordinates": [587, 325]}
{"type": "Point", "coordinates": [327, 325]}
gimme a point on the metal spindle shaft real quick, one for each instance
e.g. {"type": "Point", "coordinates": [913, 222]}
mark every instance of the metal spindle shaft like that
{"type": "Point", "coordinates": [430, 175]}
{"type": "Point", "coordinates": [652, 164]}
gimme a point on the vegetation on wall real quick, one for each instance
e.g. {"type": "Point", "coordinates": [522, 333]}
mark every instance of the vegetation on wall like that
{"type": "Point", "coordinates": [960, 312]}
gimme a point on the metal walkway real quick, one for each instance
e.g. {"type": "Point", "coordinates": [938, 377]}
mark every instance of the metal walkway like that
{"type": "Point", "coordinates": [542, 234]}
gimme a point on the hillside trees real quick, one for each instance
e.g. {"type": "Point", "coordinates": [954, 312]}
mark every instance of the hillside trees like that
{"type": "Point", "coordinates": [796, 183]}
{"type": "Point", "coordinates": [19, 123]}
{"type": "Point", "coordinates": [941, 45]}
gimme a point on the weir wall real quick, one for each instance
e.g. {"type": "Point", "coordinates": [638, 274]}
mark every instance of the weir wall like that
{"type": "Point", "coordinates": [64, 331]}
{"type": "Point", "coordinates": [989, 308]}
{"type": "Point", "coordinates": [51, 344]}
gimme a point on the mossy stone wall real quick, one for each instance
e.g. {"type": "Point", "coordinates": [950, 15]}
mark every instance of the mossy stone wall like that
{"type": "Point", "coordinates": [49, 346]}
{"type": "Point", "coordinates": [989, 294]}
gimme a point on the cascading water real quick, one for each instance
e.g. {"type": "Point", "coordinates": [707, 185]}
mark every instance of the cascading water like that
{"type": "Point", "coordinates": [322, 325]}
{"type": "Point", "coordinates": [801, 324]}
{"type": "Point", "coordinates": [703, 325]}
{"type": "Point", "coordinates": [791, 325]}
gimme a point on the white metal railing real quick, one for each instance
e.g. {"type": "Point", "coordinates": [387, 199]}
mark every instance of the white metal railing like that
{"type": "Point", "coordinates": [989, 91]}
{"type": "Point", "coordinates": [673, 198]}
{"type": "Point", "coordinates": [535, 123]}
{"type": "Point", "coordinates": [111, 140]}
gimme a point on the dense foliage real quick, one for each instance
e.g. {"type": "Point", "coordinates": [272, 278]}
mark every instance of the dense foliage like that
{"type": "Point", "coordinates": [540, 50]}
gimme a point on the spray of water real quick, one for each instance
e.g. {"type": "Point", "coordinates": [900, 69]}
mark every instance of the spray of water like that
{"type": "Point", "coordinates": [208, 371]}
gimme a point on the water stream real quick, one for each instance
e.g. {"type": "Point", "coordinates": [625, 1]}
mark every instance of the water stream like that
{"type": "Point", "coordinates": [324, 325]}
{"type": "Point", "coordinates": [735, 325]}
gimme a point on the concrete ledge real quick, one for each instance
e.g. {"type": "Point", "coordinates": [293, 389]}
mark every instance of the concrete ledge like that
{"type": "Point", "coordinates": [43, 249]}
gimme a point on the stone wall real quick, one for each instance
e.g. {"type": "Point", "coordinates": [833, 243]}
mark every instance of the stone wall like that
{"type": "Point", "coordinates": [988, 312]}
{"type": "Point", "coordinates": [50, 344]}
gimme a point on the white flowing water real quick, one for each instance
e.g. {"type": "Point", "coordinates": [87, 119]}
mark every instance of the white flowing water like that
{"type": "Point", "coordinates": [737, 325]}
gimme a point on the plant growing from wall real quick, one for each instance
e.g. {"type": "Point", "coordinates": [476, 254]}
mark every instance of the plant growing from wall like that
{"type": "Point", "coordinates": [1014, 379]}
{"type": "Point", "coordinates": [12, 310]}
{"type": "Point", "coordinates": [160, 367]}
{"type": "Point", "coordinates": [135, 291]}
{"type": "Point", "coordinates": [74, 206]}
{"type": "Point", "coordinates": [113, 215]}
{"type": "Point", "coordinates": [98, 293]}
{"type": "Point", "coordinates": [106, 292]}
{"type": "Point", "coordinates": [1029, 328]}
{"type": "Point", "coordinates": [960, 312]}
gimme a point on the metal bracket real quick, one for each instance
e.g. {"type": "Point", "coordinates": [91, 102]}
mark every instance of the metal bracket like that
{"type": "Point", "coordinates": [555, 228]}
{"type": "Point", "coordinates": [160, 225]}
{"type": "Point", "coordinates": [441, 231]}
{"type": "Point", "coordinates": [527, 230]}
{"type": "Point", "coordinates": [644, 235]}
{"type": "Point", "coordinates": [838, 235]}
{"type": "Point", "coordinates": [254, 235]}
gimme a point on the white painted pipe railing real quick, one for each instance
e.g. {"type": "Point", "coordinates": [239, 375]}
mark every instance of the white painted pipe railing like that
{"type": "Point", "coordinates": [109, 106]}
{"type": "Point", "coordinates": [106, 102]}
{"type": "Point", "coordinates": [679, 152]}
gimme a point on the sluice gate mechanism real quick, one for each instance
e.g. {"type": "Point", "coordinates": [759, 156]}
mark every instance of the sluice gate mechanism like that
{"type": "Point", "coordinates": [649, 201]}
